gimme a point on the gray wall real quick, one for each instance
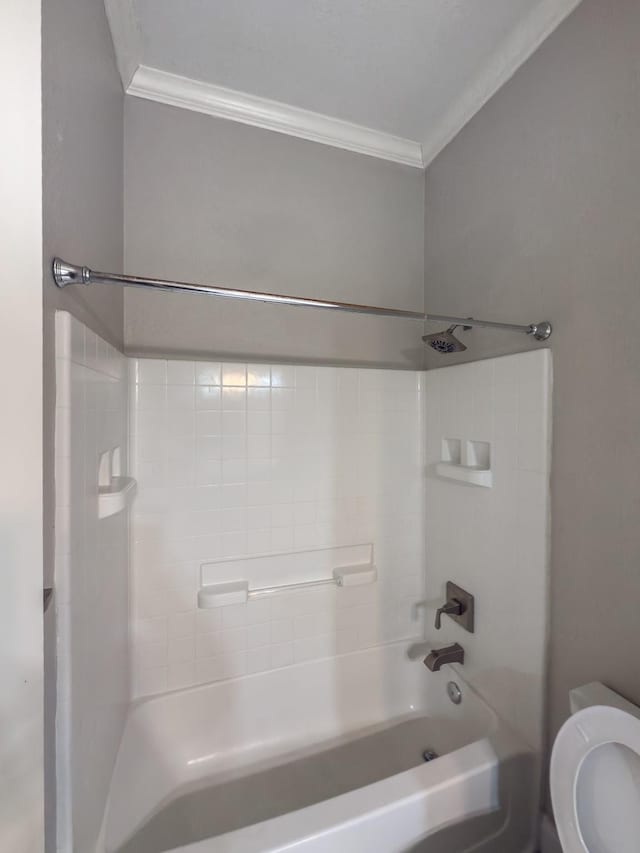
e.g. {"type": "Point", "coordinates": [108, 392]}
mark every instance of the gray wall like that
{"type": "Point", "coordinates": [82, 222]}
{"type": "Point", "coordinates": [207, 200]}
{"type": "Point", "coordinates": [82, 182]}
{"type": "Point", "coordinates": [533, 212]}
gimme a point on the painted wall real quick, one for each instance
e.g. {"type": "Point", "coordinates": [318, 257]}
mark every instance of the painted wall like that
{"type": "Point", "coordinates": [82, 185]}
{"type": "Point", "coordinates": [208, 200]}
{"type": "Point", "coordinates": [82, 177]}
{"type": "Point", "coordinates": [533, 212]}
{"type": "Point", "coordinates": [21, 664]}
{"type": "Point", "coordinates": [91, 581]}
{"type": "Point", "coordinates": [493, 542]}
{"type": "Point", "coordinates": [239, 460]}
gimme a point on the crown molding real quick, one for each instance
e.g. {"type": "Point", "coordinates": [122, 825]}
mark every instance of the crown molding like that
{"type": "Point", "coordinates": [154, 84]}
{"type": "Point", "coordinates": [125, 34]}
{"type": "Point", "coordinates": [525, 39]}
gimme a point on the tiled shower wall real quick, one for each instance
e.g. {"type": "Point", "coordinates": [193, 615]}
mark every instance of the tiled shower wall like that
{"type": "Point", "coordinates": [246, 459]}
{"type": "Point", "coordinates": [91, 581]}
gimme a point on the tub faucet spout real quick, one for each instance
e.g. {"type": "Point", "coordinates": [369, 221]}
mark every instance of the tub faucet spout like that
{"type": "Point", "coordinates": [449, 654]}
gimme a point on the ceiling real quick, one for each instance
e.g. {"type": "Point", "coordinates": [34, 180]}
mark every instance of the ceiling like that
{"type": "Point", "coordinates": [400, 77]}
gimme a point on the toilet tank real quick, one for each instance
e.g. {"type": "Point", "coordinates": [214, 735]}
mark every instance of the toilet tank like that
{"type": "Point", "coordinates": [596, 693]}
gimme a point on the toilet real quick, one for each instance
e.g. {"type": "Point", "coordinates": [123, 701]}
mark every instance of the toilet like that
{"type": "Point", "coordinates": [595, 774]}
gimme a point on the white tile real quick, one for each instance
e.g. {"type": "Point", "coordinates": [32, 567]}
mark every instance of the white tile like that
{"type": "Point", "coordinates": [180, 397]}
{"type": "Point", "coordinates": [234, 374]}
{"type": "Point", "coordinates": [234, 399]}
{"type": "Point", "coordinates": [311, 648]}
{"type": "Point", "coordinates": [258, 399]}
{"type": "Point", "coordinates": [208, 373]}
{"type": "Point", "coordinates": [258, 517]}
{"type": "Point", "coordinates": [181, 649]}
{"type": "Point", "coordinates": [208, 447]}
{"type": "Point", "coordinates": [259, 541]}
{"type": "Point", "coordinates": [282, 399]}
{"type": "Point", "coordinates": [234, 616]}
{"type": "Point", "coordinates": [234, 470]}
{"type": "Point", "coordinates": [234, 640]}
{"type": "Point", "coordinates": [281, 655]}
{"type": "Point", "coordinates": [259, 659]}
{"type": "Point", "coordinates": [208, 423]}
{"type": "Point", "coordinates": [208, 645]}
{"type": "Point", "coordinates": [209, 472]}
{"type": "Point", "coordinates": [258, 423]}
{"type": "Point", "coordinates": [151, 654]}
{"type": "Point", "coordinates": [282, 539]}
{"type": "Point", "coordinates": [151, 397]}
{"type": "Point", "coordinates": [208, 621]}
{"type": "Point", "coordinates": [152, 371]}
{"type": "Point", "coordinates": [151, 680]}
{"type": "Point", "coordinates": [234, 422]}
{"type": "Point", "coordinates": [258, 611]}
{"type": "Point", "coordinates": [258, 635]}
{"type": "Point", "coordinates": [281, 631]}
{"type": "Point", "coordinates": [232, 494]}
{"type": "Point", "coordinates": [283, 376]}
{"type": "Point", "coordinates": [181, 675]}
{"type": "Point", "coordinates": [259, 446]}
{"type": "Point", "coordinates": [209, 669]}
{"type": "Point", "coordinates": [258, 375]}
{"type": "Point", "coordinates": [181, 625]}
{"type": "Point", "coordinates": [208, 397]}
{"type": "Point", "coordinates": [305, 377]}
{"type": "Point", "coordinates": [180, 373]}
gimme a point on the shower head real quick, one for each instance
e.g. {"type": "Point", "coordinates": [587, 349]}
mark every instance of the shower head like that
{"type": "Point", "coordinates": [445, 342]}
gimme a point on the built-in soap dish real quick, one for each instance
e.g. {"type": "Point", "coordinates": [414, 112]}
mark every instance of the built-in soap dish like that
{"type": "Point", "coordinates": [116, 496]}
{"type": "Point", "coordinates": [466, 462]}
{"type": "Point", "coordinates": [115, 492]}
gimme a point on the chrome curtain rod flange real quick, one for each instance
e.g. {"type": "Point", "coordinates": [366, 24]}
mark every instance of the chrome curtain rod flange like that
{"type": "Point", "coordinates": [65, 273]}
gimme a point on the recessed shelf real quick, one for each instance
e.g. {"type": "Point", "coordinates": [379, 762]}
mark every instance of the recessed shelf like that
{"type": "Point", "coordinates": [465, 474]}
{"type": "Point", "coordinates": [466, 461]}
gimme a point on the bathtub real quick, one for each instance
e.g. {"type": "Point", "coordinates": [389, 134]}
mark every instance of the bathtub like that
{"type": "Point", "coordinates": [323, 756]}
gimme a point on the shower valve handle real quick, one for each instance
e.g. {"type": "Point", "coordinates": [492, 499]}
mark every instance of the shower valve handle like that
{"type": "Point", "coordinates": [453, 607]}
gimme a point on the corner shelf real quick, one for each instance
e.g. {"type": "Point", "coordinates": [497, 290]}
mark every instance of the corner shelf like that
{"type": "Point", "coordinates": [116, 496]}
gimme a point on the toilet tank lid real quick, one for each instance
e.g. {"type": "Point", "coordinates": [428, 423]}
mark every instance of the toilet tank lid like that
{"type": "Point", "coordinates": [596, 693]}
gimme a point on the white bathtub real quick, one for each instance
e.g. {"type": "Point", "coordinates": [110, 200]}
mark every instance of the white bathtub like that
{"type": "Point", "coordinates": [323, 756]}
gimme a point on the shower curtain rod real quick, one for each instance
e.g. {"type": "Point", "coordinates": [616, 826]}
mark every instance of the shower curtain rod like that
{"type": "Point", "coordinates": [65, 273]}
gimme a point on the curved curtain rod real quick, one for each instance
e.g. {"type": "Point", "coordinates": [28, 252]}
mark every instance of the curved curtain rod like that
{"type": "Point", "coordinates": [65, 273]}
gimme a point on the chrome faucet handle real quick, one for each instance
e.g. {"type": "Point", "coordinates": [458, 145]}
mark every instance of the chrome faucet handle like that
{"type": "Point", "coordinates": [453, 607]}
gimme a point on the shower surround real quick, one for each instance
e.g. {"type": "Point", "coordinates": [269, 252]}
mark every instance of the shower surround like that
{"type": "Point", "coordinates": [237, 460]}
